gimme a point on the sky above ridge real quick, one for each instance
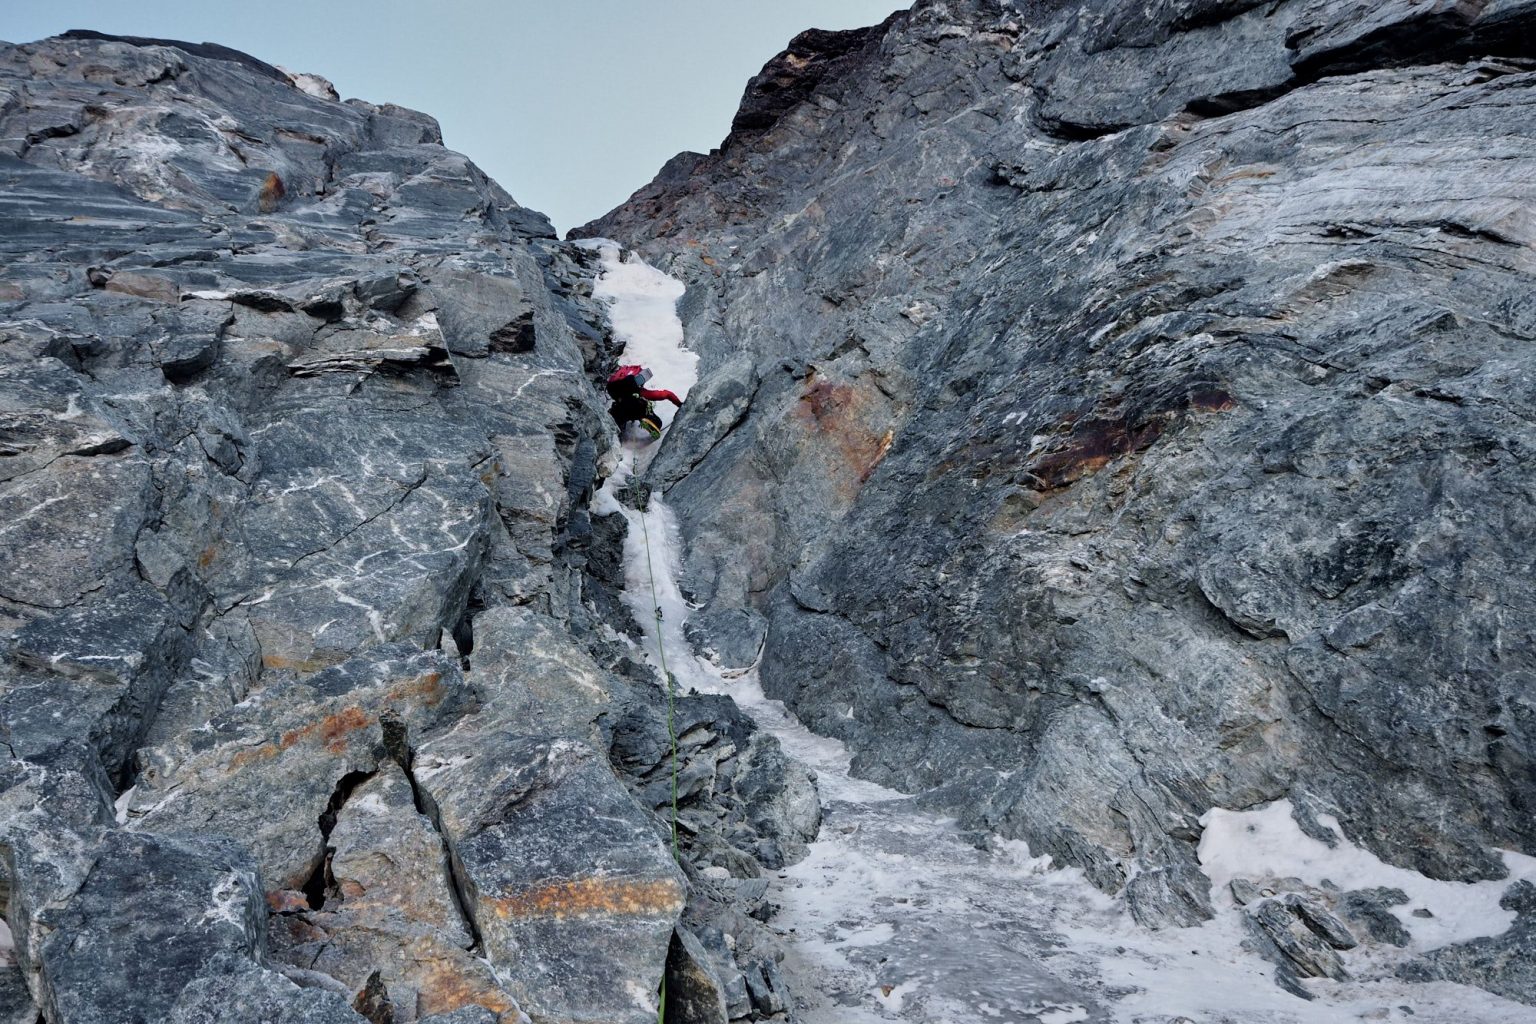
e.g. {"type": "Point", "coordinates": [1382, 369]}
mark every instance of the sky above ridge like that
{"type": "Point", "coordinates": [570, 104]}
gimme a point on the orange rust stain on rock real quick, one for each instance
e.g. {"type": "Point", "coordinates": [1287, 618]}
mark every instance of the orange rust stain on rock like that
{"type": "Point", "coordinates": [1244, 174]}
{"type": "Point", "coordinates": [445, 987]}
{"type": "Point", "coordinates": [589, 897]}
{"type": "Point", "coordinates": [881, 447]}
{"type": "Point", "coordinates": [1091, 446]}
{"type": "Point", "coordinates": [334, 729]}
{"type": "Point", "coordinates": [842, 414]}
{"type": "Point", "coordinates": [264, 752]}
{"type": "Point", "coordinates": [272, 193]}
{"type": "Point", "coordinates": [287, 901]}
{"type": "Point", "coordinates": [429, 685]}
{"type": "Point", "coordinates": [825, 400]}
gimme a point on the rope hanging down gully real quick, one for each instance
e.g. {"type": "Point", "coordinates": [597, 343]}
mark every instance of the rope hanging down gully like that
{"type": "Point", "coordinates": [661, 651]}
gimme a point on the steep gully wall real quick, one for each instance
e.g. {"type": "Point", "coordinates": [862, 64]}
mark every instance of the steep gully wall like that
{"type": "Point", "coordinates": [1116, 411]}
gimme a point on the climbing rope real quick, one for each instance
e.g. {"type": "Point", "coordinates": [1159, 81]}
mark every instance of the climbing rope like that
{"type": "Point", "coordinates": [661, 653]}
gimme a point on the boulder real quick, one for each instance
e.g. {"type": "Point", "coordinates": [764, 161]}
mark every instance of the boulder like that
{"type": "Point", "coordinates": [153, 914]}
{"type": "Point", "coordinates": [572, 890]}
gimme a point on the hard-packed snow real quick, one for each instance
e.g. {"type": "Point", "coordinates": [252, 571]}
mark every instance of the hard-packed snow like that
{"type": "Point", "coordinates": [643, 311]}
{"type": "Point", "coordinates": [1267, 841]}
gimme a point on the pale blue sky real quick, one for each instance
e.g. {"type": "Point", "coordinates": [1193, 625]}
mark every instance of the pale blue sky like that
{"type": "Point", "coordinates": [570, 104]}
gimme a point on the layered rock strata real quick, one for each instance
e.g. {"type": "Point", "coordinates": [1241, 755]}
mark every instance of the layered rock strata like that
{"type": "Point", "coordinates": [309, 691]}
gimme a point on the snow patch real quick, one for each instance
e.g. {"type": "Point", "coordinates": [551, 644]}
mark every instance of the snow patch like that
{"type": "Point", "coordinates": [229, 903]}
{"type": "Point", "coordinates": [642, 307]}
{"type": "Point", "coordinates": [1267, 842]}
{"type": "Point", "coordinates": [892, 996]}
{"type": "Point", "coordinates": [312, 85]}
{"type": "Point", "coordinates": [369, 803]}
{"type": "Point", "coordinates": [120, 806]}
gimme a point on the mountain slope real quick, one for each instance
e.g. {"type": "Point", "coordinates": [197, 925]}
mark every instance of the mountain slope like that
{"type": "Point", "coordinates": [1112, 412]}
{"type": "Point", "coordinates": [314, 681]}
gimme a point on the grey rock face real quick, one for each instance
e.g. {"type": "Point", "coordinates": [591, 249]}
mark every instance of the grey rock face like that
{"type": "Point", "coordinates": [732, 637]}
{"type": "Point", "coordinates": [16, 1006]}
{"type": "Point", "coordinates": [742, 804]}
{"type": "Point", "coordinates": [1505, 963]}
{"type": "Point", "coordinates": [564, 876]}
{"type": "Point", "coordinates": [149, 918]}
{"type": "Point", "coordinates": [1135, 421]}
{"type": "Point", "coordinates": [468, 1015]}
{"type": "Point", "coordinates": [297, 747]}
{"type": "Point", "coordinates": [304, 672]}
{"type": "Point", "coordinates": [239, 992]}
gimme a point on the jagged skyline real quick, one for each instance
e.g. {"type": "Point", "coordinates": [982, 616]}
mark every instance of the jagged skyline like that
{"type": "Point", "coordinates": [482, 68]}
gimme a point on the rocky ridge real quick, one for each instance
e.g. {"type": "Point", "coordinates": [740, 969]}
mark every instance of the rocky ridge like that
{"type": "Point", "coordinates": [318, 700]}
{"type": "Point", "coordinates": [1112, 412]}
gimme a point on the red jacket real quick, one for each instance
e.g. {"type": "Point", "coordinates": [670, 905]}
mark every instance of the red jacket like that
{"type": "Point", "coordinates": [656, 395]}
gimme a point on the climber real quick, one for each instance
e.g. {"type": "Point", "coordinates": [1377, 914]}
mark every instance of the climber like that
{"type": "Point", "coordinates": [632, 401]}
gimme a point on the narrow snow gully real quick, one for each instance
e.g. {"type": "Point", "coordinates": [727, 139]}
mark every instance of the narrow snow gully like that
{"type": "Point", "coordinates": [897, 915]}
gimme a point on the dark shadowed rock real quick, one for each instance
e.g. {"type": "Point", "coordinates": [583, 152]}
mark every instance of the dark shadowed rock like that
{"type": "Point", "coordinates": [789, 79]}
{"type": "Point", "coordinates": [16, 1006]}
{"type": "Point", "coordinates": [694, 994]}
{"type": "Point", "coordinates": [1370, 909]}
{"type": "Point", "coordinates": [211, 50]}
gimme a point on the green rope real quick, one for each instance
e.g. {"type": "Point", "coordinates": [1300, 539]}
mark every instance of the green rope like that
{"type": "Point", "coordinates": [661, 651]}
